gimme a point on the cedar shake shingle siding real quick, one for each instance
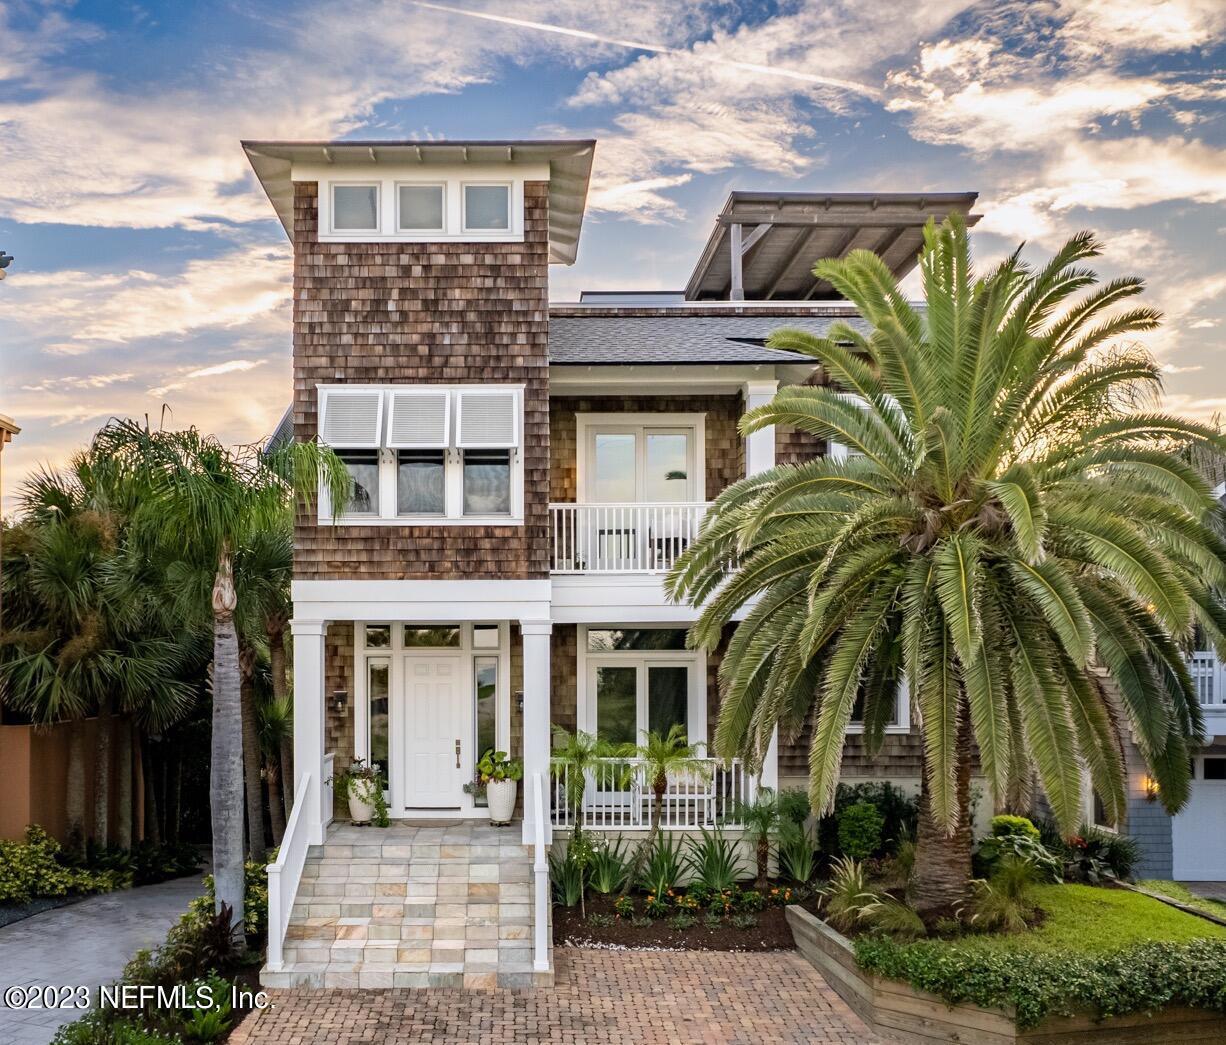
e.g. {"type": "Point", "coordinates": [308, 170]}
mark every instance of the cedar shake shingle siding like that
{"type": "Point", "coordinates": [420, 313]}
{"type": "Point", "coordinates": [725, 449]}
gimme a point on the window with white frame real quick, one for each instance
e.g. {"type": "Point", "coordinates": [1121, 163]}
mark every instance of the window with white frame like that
{"type": "Point", "coordinates": [429, 453]}
{"type": "Point", "coordinates": [450, 204]}
{"type": "Point", "coordinates": [900, 721]}
{"type": "Point", "coordinates": [637, 458]}
{"type": "Point", "coordinates": [636, 679]}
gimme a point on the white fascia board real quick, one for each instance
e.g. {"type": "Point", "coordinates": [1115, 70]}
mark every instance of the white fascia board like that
{"type": "Point", "coordinates": [425, 171]}
{"type": "Point", "coordinates": [660, 379]}
{"type": "Point", "coordinates": [598, 599]}
{"type": "Point", "coordinates": [426, 601]}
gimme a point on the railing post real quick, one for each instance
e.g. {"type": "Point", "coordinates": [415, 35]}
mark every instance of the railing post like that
{"type": "Point", "coordinates": [276, 931]}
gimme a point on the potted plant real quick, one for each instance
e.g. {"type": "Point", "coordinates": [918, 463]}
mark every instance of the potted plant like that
{"type": "Point", "coordinates": [362, 785]}
{"type": "Point", "coordinates": [497, 777]}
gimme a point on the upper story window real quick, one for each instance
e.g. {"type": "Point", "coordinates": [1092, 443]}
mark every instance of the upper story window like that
{"type": "Point", "coordinates": [451, 203]}
{"type": "Point", "coordinates": [427, 453]}
{"type": "Point", "coordinates": [355, 208]}
{"type": "Point", "coordinates": [641, 458]}
{"type": "Point", "coordinates": [487, 208]}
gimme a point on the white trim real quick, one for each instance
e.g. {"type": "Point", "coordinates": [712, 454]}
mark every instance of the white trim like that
{"type": "Point", "coordinates": [695, 422]}
{"type": "Point", "coordinates": [395, 655]}
{"type": "Point", "coordinates": [422, 601]}
{"type": "Point", "coordinates": [402, 183]}
{"type": "Point", "coordinates": [694, 660]}
{"type": "Point", "coordinates": [466, 185]}
{"type": "Point", "coordinates": [902, 713]}
{"type": "Point", "coordinates": [359, 183]}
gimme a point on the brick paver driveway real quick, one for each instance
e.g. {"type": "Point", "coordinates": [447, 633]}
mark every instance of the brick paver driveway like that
{"type": "Point", "coordinates": [600, 996]}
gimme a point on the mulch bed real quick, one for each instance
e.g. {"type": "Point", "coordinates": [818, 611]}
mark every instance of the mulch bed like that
{"type": "Point", "coordinates": [772, 932]}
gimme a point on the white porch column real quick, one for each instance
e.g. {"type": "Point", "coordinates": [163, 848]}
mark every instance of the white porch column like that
{"type": "Point", "coordinates": [309, 724]}
{"type": "Point", "coordinates": [760, 446]}
{"type": "Point", "coordinates": [536, 636]}
{"type": "Point", "coordinates": [759, 456]}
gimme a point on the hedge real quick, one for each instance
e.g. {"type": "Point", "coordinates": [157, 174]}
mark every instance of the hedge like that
{"type": "Point", "coordinates": [1141, 979]}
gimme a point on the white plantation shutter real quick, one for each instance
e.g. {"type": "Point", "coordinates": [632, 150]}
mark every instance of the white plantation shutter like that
{"type": "Point", "coordinates": [351, 419]}
{"type": "Point", "coordinates": [420, 419]}
{"type": "Point", "coordinates": [487, 419]}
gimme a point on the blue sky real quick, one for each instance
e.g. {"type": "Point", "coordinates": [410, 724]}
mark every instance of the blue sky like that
{"type": "Point", "coordinates": [151, 273]}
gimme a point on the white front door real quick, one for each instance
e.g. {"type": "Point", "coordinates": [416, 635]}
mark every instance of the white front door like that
{"type": "Point", "coordinates": [435, 727]}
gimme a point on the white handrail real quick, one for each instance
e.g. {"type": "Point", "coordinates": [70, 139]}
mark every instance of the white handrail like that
{"type": "Point", "coordinates": [638, 537]}
{"type": "Point", "coordinates": [540, 868]}
{"type": "Point", "coordinates": [285, 874]}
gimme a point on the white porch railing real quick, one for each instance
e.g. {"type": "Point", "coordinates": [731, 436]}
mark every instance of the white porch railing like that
{"type": "Point", "coordinates": [622, 538]}
{"type": "Point", "coordinates": [285, 874]}
{"type": "Point", "coordinates": [540, 871]}
{"type": "Point", "coordinates": [617, 796]}
{"type": "Point", "coordinates": [1209, 676]}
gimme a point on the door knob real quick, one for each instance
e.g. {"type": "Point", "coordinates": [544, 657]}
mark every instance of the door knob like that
{"type": "Point", "coordinates": [457, 754]}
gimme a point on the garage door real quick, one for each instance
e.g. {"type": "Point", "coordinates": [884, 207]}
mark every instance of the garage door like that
{"type": "Point", "coordinates": [1199, 831]}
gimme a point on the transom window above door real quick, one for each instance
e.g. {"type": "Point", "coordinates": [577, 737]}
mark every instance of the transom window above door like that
{"type": "Point", "coordinates": [641, 459]}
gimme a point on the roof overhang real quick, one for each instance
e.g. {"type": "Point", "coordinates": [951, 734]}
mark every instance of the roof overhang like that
{"type": "Point", "coordinates": [8, 429]}
{"type": "Point", "coordinates": [569, 161]}
{"type": "Point", "coordinates": [781, 235]}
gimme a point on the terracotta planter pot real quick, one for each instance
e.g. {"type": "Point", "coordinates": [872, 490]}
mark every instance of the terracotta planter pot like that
{"type": "Point", "coordinates": [500, 794]}
{"type": "Point", "coordinates": [362, 800]}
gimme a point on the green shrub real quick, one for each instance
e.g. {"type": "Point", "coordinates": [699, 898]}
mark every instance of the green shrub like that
{"type": "Point", "coordinates": [32, 869]}
{"type": "Point", "coordinates": [744, 920]}
{"type": "Point", "coordinates": [899, 811]}
{"type": "Point", "coordinates": [895, 918]}
{"type": "Point", "coordinates": [847, 896]}
{"type": "Point", "coordinates": [608, 867]}
{"type": "Point", "coordinates": [682, 920]}
{"type": "Point", "coordinates": [1014, 825]}
{"type": "Point", "coordinates": [663, 867]}
{"type": "Point", "coordinates": [797, 853]}
{"type": "Point", "coordinates": [566, 875]}
{"type": "Point", "coordinates": [255, 898]}
{"type": "Point", "coordinates": [1142, 979]}
{"type": "Point", "coordinates": [793, 806]}
{"type": "Point", "coordinates": [996, 848]}
{"type": "Point", "coordinates": [1005, 902]}
{"type": "Point", "coordinates": [656, 906]}
{"type": "Point", "coordinates": [1096, 854]}
{"type": "Point", "coordinates": [712, 861]}
{"type": "Point", "coordinates": [860, 830]}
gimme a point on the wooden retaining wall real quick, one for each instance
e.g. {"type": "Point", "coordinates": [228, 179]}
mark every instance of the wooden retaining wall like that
{"type": "Point", "coordinates": [899, 1012]}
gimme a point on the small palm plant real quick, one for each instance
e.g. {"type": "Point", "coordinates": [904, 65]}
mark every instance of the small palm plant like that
{"type": "Point", "coordinates": [662, 757]}
{"type": "Point", "coordinates": [762, 821]}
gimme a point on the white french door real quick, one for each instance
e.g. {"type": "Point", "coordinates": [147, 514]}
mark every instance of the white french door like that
{"type": "Point", "coordinates": [434, 732]}
{"type": "Point", "coordinates": [632, 464]}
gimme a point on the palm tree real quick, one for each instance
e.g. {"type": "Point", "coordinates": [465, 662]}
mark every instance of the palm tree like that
{"type": "Point", "coordinates": [277, 734]}
{"type": "Point", "coordinates": [761, 819]}
{"type": "Point", "coordinates": [210, 499]}
{"type": "Point", "coordinates": [1012, 515]}
{"type": "Point", "coordinates": [660, 757]}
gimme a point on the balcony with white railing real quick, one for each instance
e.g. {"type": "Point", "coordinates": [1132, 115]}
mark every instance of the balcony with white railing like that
{"type": "Point", "coordinates": [617, 796]}
{"type": "Point", "coordinates": [640, 537]}
{"type": "Point", "coordinates": [1209, 677]}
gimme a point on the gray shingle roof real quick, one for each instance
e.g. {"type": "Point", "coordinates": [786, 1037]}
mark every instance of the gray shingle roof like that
{"type": "Point", "coordinates": [602, 339]}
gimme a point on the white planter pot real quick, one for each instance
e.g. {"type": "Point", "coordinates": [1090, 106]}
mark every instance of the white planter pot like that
{"type": "Point", "coordinates": [500, 794]}
{"type": "Point", "coordinates": [362, 801]}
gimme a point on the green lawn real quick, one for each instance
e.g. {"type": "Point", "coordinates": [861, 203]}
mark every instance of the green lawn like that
{"type": "Point", "coordinates": [1084, 919]}
{"type": "Point", "coordinates": [1184, 895]}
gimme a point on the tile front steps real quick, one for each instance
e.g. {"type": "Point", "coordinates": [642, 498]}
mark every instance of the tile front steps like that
{"type": "Point", "coordinates": [438, 904]}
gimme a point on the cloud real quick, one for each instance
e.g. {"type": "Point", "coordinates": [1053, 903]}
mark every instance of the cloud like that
{"type": "Point", "coordinates": [230, 366]}
{"type": "Point", "coordinates": [1094, 26]}
{"type": "Point", "coordinates": [77, 312]}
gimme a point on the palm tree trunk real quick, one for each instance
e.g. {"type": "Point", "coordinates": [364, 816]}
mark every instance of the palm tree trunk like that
{"type": "Point", "coordinates": [74, 789]}
{"type": "Point", "coordinates": [176, 810]}
{"type": "Point", "coordinates": [649, 843]}
{"type": "Point", "coordinates": [123, 798]}
{"type": "Point", "coordinates": [276, 813]}
{"type": "Point", "coordinates": [102, 772]}
{"type": "Point", "coordinates": [764, 859]}
{"type": "Point", "coordinates": [153, 824]}
{"type": "Point", "coordinates": [287, 774]}
{"type": "Point", "coordinates": [943, 861]}
{"type": "Point", "coordinates": [226, 765]}
{"type": "Point", "coordinates": [251, 772]}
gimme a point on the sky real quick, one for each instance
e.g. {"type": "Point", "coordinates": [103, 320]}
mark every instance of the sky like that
{"type": "Point", "coordinates": [151, 277]}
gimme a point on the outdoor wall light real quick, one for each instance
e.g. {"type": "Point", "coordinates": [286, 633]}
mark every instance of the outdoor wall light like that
{"type": "Point", "coordinates": [340, 700]}
{"type": "Point", "coordinates": [519, 701]}
{"type": "Point", "coordinates": [1150, 786]}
